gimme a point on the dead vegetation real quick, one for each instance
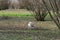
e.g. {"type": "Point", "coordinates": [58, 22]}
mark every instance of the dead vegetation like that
{"type": "Point", "coordinates": [24, 25]}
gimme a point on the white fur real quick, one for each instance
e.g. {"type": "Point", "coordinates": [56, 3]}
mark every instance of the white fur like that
{"type": "Point", "coordinates": [30, 25]}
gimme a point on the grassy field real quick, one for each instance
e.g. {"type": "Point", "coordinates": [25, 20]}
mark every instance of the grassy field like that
{"type": "Point", "coordinates": [16, 13]}
{"type": "Point", "coordinates": [20, 13]}
{"type": "Point", "coordinates": [30, 35]}
{"type": "Point", "coordinates": [15, 27]}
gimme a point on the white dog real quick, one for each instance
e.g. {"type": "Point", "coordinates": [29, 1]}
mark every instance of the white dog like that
{"type": "Point", "coordinates": [30, 25]}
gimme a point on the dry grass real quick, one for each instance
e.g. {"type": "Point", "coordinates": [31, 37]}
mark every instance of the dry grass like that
{"type": "Point", "coordinates": [23, 25]}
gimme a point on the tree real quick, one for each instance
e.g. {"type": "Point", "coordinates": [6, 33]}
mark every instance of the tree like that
{"type": "Point", "coordinates": [37, 7]}
{"type": "Point", "coordinates": [55, 11]}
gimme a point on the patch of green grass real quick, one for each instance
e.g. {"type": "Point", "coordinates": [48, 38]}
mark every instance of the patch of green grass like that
{"type": "Point", "coordinates": [48, 18]}
{"type": "Point", "coordinates": [20, 14]}
{"type": "Point", "coordinates": [13, 13]}
{"type": "Point", "coordinates": [16, 15]}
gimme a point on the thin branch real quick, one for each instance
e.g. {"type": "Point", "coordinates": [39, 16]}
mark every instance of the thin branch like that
{"type": "Point", "coordinates": [50, 14]}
